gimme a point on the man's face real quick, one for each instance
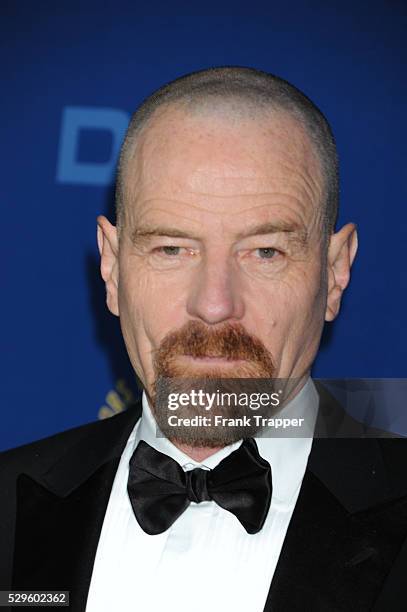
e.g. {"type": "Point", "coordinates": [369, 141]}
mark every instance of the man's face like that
{"type": "Point", "coordinates": [222, 235]}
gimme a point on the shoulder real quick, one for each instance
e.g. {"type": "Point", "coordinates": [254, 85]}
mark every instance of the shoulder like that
{"type": "Point", "coordinates": [335, 422]}
{"type": "Point", "coordinates": [35, 457]}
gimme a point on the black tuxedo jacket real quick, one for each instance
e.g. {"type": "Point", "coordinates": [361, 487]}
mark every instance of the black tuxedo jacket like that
{"type": "Point", "coordinates": [345, 548]}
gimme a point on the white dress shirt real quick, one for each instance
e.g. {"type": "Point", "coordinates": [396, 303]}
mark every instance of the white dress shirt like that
{"type": "Point", "coordinates": [205, 560]}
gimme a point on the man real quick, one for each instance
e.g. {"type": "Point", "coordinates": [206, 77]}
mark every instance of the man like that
{"type": "Point", "coordinates": [223, 266]}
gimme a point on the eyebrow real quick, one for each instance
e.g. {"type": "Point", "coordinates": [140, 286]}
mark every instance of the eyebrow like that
{"type": "Point", "coordinates": [276, 227]}
{"type": "Point", "coordinates": [296, 232]}
{"type": "Point", "coordinates": [156, 230]}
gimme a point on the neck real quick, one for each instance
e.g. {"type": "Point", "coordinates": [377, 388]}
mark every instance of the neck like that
{"type": "Point", "coordinates": [197, 453]}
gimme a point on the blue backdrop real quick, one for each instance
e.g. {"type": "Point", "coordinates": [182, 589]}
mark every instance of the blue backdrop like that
{"type": "Point", "coordinates": [73, 73]}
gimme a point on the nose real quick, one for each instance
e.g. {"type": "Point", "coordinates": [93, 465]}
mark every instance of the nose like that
{"type": "Point", "coordinates": [214, 295]}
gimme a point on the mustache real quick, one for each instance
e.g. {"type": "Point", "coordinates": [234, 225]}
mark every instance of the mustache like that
{"type": "Point", "coordinates": [231, 341]}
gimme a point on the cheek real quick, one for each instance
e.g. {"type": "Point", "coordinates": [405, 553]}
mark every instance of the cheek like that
{"type": "Point", "coordinates": [149, 307]}
{"type": "Point", "coordinates": [288, 309]}
{"type": "Point", "coordinates": [304, 310]}
{"type": "Point", "coordinates": [303, 320]}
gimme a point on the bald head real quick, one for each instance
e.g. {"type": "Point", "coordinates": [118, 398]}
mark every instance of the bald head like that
{"type": "Point", "coordinates": [234, 97]}
{"type": "Point", "coordinates": [226, 164]}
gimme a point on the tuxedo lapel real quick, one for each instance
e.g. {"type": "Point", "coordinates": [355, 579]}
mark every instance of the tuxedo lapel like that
{"type": "Point", "coordinates": [57, 537]}
{"type": "Point", "coordinates": [60, 512]}
{"type": "Point", "coordinates": [332, 559]}
{"type": "Point", "coordinates": [346, 531]}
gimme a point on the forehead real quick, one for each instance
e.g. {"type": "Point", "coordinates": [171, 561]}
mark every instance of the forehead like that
{"type": "Point", "coordinates": [222, 163]}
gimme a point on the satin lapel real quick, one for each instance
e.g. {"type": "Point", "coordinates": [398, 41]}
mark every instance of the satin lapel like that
{"type": "Point", "coordinates": [338, 551]}
{"type": "Point", "coordinates": [60, 512]}
{"type": "Point", "coordinates": [57, 537]}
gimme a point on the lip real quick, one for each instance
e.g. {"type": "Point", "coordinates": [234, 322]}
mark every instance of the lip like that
{"type": "Point", "coordinates": [212, 360]}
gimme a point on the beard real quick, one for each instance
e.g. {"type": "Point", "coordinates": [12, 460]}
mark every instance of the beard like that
{"type": "Point", "coordinates": [247, 366]}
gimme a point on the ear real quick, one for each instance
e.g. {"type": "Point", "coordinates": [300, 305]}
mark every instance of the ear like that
{"type": "Point", "coordinates": [341, 253]}
{"type": "Point", "coordinates": [109, 250]}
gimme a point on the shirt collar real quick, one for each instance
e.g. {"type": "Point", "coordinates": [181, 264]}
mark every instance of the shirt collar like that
{"type": "Point", "coordinates": [288, 457]}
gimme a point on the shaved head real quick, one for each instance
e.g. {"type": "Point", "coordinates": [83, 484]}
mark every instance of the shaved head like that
{"type": "Point", "coordinates": [236, 95]}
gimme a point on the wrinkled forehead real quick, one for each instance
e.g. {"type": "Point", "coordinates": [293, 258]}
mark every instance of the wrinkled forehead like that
{"type": "Point", "coordinates": [223, 161]}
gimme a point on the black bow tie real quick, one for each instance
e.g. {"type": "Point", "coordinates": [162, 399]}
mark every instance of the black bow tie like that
{"type": "Point", "coordinates": [160, 491]}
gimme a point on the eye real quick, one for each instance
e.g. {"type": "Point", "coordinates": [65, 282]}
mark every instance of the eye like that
{"type": "Point", "coordinates": [266, 252]}
{"type": "Point", "coordinates": [169, 250]}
